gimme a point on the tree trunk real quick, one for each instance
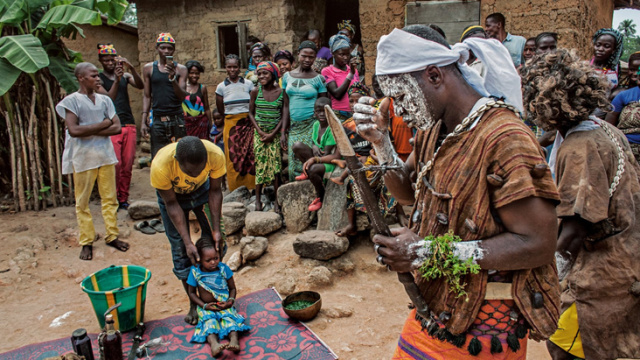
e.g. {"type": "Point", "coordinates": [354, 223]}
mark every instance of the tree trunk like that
{"type": "Point", "coordinates": [56, 137]}
{"type": "Point", "coordinates": [32, 163]}
{"type": "Point", "coordinates": [12, 150]}
{"type": "Point", "coordinates": [23, 179]}
{"type": "Point", "coordinates": [50, 160]}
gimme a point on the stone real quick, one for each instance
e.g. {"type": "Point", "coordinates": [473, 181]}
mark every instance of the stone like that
{"type": "Point", "coordinates": [333, 214]}
{"type": "Point", "coordinates": [338, 312]}
{"type": "Point", "coordinates": [253, 247]}
{"type": "Point", "coordinates": [241, 194]}
{"type": "Point", "coordinates": [294, 199]}
{"type": "Point", "coordinates": [320, 245]}
{"type": "Point", "coordinates": [143, 209]}
{"type": "Point", "coordinates": [343, 264]}
{"type": "Point", "coordinates": [233, 214]}
{"type": "Point", "coordinates": [145, 147]}
{"type": "Point", "coordinates": [319, 276]}
{"type": "Point", "coordinates": [235, 261]}
{"type": "Point", "coordinates": [286, 286]}
{"type": "Point", "coordinates": [362, 221]}
{"type": "Point", "coordinates": [262, 223]}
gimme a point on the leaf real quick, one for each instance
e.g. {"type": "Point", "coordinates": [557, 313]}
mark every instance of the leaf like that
{"type": "Point", "coordinates": [9, 73]}
{"type": "Point", "coordinates": [63, 72]}
{"type": "Point", "coordinates": [24, 52]}
{"type": "Point", "coordinates": [66, 14]}
{"type": "Point", "coordinates": [37, 3]}
{"type": "Point", "coordinates": [15, 13]}
{"type": "Point", "coordinates": [113, 9]}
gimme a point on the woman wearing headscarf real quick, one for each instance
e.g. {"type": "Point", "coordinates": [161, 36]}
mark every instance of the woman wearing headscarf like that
{"type": "Point", "coordinates": [546, 42]}
{"type": "Point", "coordinates": [346, 28]}
{"type": "Point", "coordinates": [267, 109]}
{"type": "Point", "coordinates": [607, 49]}
{"type": "Point", "coordinates": [302, 86]}
{"type": "Point", "coordinates": [340, 75]}
{"type": "Point", "coordinates": [259, 52]}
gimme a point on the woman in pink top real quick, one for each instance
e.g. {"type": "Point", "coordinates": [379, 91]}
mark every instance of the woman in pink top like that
{"type": "Point", "coordinates": [340, 75]}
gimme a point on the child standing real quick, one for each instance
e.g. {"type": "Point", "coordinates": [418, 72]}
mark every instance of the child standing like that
{"type": "Point", "coordinates": [215, 296]}
{"type": "Point", "coordinates": [217, 129]}
{"type": "Point", "coordinates": [267, 109]}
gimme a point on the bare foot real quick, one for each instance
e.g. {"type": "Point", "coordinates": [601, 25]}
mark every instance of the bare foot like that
{"type": "Point", "coordinates": [216, 347]}
{"type": "Point", "coordinates": [341, 163]}
{"type": "Point", "coordinates": [119, 244]}
{"type": "Point", "coordinates": [258, 205]}
{"type": "Point", "coordinates": [86, 253]}
{"type": "Point", "coordinates": [192, 315]}
{"type": "Point", "coordinates": [348, 230]}
{"type": "Point", "coordinates": [337, 180]}
{"type": "Point", "coordinates": [233, 342]}
{"type": "Point", "coordinates": [276, 208]}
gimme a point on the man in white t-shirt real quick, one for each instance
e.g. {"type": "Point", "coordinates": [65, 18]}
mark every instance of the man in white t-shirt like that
{"type": "Point", "coordinates": [88, 154]}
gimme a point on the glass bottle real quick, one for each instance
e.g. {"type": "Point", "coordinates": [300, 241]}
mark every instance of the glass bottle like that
{"type": "Point", "coordinates": [82, 344]}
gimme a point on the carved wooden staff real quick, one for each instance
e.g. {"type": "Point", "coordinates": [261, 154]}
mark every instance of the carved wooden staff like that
{"type": "Point", "coordinates": [371, 204]}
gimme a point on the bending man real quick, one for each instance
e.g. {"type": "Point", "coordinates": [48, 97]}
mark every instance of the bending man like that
{"type": "Point", "coordinates": [188, 177]}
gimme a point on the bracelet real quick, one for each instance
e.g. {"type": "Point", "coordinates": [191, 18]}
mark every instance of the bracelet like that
{"type": "Point", "coordinates": [145, 112]}
{"type": "Point", "coordinates": [317, 159]}
{"type": "Point", "coordinates": [204, 307]}
{"type": "Point", "coordinates": [173, 78]}
{"type": "Point", "coordinates": [349, 77]}
{"type": "Point", "coordinates": [233, 300]}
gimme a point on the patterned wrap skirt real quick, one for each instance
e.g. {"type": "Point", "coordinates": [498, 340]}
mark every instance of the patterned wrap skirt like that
{"type": "Point", "coordinates": [238, 151]}
{"type": "Point", "coordinates": [299, 131]}
{"type": "Point", "coordinates": [220, 323]}
{"type": "Point", "coordinates": [268, 160]}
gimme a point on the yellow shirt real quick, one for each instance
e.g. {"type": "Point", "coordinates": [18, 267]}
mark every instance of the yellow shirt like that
{"type": "Point", "coordinates": [166, 173]}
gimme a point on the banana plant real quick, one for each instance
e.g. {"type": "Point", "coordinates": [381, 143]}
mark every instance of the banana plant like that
{"type": "Point", "coordinates": [33, 33]}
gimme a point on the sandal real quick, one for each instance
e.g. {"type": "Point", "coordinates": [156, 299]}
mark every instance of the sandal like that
{"type": "Point", "coordinates": [301, 177]}
{"type": "Point", "coordinates": [143, 227]}
{"type": "Point", "coordinates": [315, 205]}
{"type": "Point", "coordinates": [157, 225]}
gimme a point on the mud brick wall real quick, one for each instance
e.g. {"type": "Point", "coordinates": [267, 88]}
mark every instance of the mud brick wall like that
{"type": "Point", "coordinates": [575, 21]}
{"type": "Point", "coordinates": [279, 23]}
{"type": "Point", "coordinates": [125, 42]}
{"type": "Point", "coordinates": [377, 18]}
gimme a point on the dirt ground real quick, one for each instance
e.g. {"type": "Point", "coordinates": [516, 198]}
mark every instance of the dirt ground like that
{"type": "Point", "coordinates": [41, 298]}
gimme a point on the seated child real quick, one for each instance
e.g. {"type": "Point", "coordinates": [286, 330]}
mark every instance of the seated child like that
{"type": "Point", "coordinates": [317, 158]}
{"type": "Point", "coordinates": [216, 291]}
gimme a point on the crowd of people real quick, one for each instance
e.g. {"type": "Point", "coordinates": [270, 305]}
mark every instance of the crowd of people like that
{"type": "Point", "coordinates": [517, 146]}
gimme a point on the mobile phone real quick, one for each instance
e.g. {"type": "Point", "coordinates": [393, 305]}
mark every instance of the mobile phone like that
{"type": "Point", "coordinates": [170, 59]}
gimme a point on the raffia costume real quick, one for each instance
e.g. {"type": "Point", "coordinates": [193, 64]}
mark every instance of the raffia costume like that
{"type": "Point", "coordinates": [599, 281]}
{"type": "Point", "coordinates": [475, 173]}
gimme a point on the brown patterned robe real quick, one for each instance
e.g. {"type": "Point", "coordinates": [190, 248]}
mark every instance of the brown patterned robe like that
{"type": "Point", "coordinates": [609, 262]}
{"type": "Point", "coordinates": [500, 144]}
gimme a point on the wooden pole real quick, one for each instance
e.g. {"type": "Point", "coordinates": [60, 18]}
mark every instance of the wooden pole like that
{"type": "Point", "coordinates": [33, 163]}
{"type": "Point", "coordinates": [50, 160]}
{"type": "Point", "coordinates": [12, 150]}
{"type": "Point", "coordinates": [25, 160]}
{"type": "Point", "coordinates": [37, 149]}
{"type": "Point", "coordinates": [56, 137]}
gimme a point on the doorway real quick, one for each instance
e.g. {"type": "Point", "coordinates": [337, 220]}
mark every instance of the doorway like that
{"type": "Point", "coordinates": [338, 10]}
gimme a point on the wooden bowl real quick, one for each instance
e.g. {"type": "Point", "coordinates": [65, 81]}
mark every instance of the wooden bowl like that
{"type": "Point", "coordinates": [307, 313]}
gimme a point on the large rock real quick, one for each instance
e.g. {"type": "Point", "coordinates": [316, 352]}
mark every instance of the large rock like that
{"type": "Point", "coordinates": [143, 209]}
{"type": "Point", "coordinates": [241, 194]}
{"type": "Point", "coordinates": [235, 261]}
{"type": "Point", "coordinates": [253, 247]}
{"type": "Point", "coordinates": [262, 223]}
{"type": "Point", "coordinates": [294, 199]}
{"type": "Point", "coordinates": [320, 245]}
{"type": "Point", "coordinates": [233, 214]}
{"type": "Point", "coordinates": [319, 276]}
{"type": "Point", "coordinates": [333, 215]}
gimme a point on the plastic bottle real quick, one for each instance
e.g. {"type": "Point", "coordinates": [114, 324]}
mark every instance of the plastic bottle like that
{"type": "Point", "coordinates": [82, 344]}
{"type": "Point", "coordinates": [110, 341]}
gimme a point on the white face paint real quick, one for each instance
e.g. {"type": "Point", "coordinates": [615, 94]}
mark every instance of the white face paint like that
{"type": "Point", "coordinates": [563, 264]}
{"type": "Point", "coordinates": [408, 100]}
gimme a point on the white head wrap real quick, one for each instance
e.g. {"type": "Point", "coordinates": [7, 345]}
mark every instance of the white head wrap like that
{"type": "Point", "coordinates": [401, 52]}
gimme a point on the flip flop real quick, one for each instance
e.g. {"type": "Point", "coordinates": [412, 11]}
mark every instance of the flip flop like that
{"type": "Point", "coordinates": [157, 225]}
{"type": "Point", "coordinates": [143, 227]}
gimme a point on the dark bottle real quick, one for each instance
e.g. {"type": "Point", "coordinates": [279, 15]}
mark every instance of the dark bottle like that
{"type": "Point", "coordinates": [110, 341]}
{"type": "Point", "coordinates": [82, 344]}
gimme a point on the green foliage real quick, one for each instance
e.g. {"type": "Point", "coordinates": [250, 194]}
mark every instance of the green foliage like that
{"type": "Point", "coordinates": [298, 305]}
{"type": "Point", "coordinates": [631, 45]}
{"type": "Point", "coordinates": [31, 27]}
{"type": "Point", "coordinates": [627, 28]}
{"type": "Point", "coordinates": [443, 263]}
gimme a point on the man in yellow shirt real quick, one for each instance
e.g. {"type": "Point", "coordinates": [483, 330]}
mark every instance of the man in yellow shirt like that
{"type": "Point", "coordinates": [188, 177]}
